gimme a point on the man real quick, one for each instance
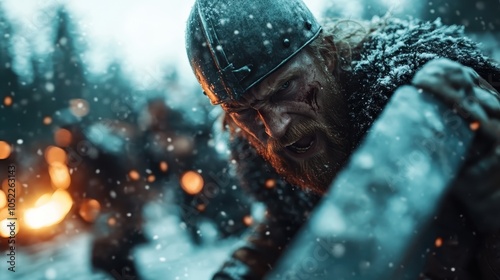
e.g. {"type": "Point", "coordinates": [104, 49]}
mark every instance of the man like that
{"type": "Point", "coordinates": [301, 96]}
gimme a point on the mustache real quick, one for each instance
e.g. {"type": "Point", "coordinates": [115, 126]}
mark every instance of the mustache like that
{"type": "Point", "coordinates": [307, 127]}
{"type": "Point", "coordinates": [294, 133]}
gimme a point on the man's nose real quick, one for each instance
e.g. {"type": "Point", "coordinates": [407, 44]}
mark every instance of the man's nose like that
{"type": "Point", "coordinates": [275, 120]}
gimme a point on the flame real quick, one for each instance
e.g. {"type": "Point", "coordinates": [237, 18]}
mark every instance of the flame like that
{"type": "Point", "coordinates": [59, 175]}
{"type": "Point", "coordinates": [48, 212]}
{"type": "Point", "coordinates": [3, 199]}
{"type": "Point", "coordinates": [63, 137]}
{"type": "Point", "coordinates": [51, 208]}
{"type": "Point", "coordinates": [192, 182]}
{"type": "Point", "coordinates": [89, 210]}
{"type": "Point", "coordinates": [4, 150]}
{"type": "Point", "coordinates": [44, 199]}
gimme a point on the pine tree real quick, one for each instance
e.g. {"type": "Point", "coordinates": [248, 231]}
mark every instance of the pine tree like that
{"type": "Point", "coordinates": [9, 84]}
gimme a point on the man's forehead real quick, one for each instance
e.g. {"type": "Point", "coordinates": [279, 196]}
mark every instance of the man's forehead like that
{"type": "Point", "coordinates": [297, 66]}
{"type": "Point", "coordinates": [276, 79]}
{"type": "Point", "coordinates": [263, 88]}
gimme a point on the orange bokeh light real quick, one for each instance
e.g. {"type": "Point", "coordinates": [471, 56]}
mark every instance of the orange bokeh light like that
{"type": "Point", "coordinates": [5, 150]}
{"type": "Point", "coordinates": [474, 125]}
{"type": "Point", "coordinates": [3, 199]}
{"type": "Point", "coordinates": [89, 210]}
{"type": "Point", "coordinates": [201, 207]}
{"type": "Point", "coordinates": [248, 220]}
{"type": "Point", "coordinates": [63, 137]}
{"type": "Point", "coordinates": [151, 178]}
{"type": "Point", "coordinates": [163, 166]}
{"type": "Point", "coordinates": [7, 101]}
{"type": "Point", "coordinates": [270, 183]}
{"type": "Point", "coordinates": [192, 182]}
{"type": "Point", "coordinates": [47, 120]}
{"type": "Point", "coordinates": [59, 175]}
{"type": "Point", "coordinates": [134, 175]}
{"type": "Point", "coordinates": [55, 154]}
{"type": "Point", "coordinates": [438, 242]}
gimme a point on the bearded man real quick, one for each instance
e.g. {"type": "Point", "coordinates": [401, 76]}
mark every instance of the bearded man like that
{"type": "Point", "coordinates": [300, 96]}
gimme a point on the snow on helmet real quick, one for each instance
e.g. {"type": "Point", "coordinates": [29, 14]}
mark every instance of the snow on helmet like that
{"type": "Point", "coordinates": [232, 45]}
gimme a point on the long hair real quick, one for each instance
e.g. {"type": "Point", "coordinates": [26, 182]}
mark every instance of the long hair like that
{"type": "Point", "coordinates": [347, 37]}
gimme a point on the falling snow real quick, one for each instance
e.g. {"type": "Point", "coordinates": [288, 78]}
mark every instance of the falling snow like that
{"type": "Point", "coordinates": [122, 162]}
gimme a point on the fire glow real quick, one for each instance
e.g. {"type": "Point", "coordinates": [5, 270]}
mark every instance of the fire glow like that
{"type": "Point", "coordinates": [52, 208]}
{"type": "Point", "coordinates": [48, 210]}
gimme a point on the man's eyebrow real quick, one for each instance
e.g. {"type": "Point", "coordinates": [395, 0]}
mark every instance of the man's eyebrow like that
{"type": "Point", "coordinates": [285, 78]}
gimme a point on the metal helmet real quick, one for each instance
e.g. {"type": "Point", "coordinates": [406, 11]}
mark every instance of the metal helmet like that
{"type": "Point", "coordinates": [232, 45]}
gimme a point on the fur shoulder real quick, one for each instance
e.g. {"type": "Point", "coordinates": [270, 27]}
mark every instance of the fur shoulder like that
{"type": "Point", "coordinates": [393, 53]}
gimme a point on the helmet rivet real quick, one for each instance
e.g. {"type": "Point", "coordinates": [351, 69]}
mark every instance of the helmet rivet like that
{"type": "Point", "coordinates": [286, 42]}
{"type": "Point", "coordinates": [308, 24]}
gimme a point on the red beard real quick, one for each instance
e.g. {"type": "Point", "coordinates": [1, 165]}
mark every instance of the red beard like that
{"type": "Point", "coordinates": [318, 171]}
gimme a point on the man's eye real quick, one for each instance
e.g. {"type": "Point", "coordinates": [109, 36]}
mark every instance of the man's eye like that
{"type": "Point", "coordinates": [285, 85]}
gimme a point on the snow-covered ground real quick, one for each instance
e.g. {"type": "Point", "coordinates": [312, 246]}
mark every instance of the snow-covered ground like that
{"type": "Point", "coordinates": [169, 255]}
{"type": "Point", "coordinates": [64, 257]}
{"type": "Point", "coordinates": [172, 255]}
